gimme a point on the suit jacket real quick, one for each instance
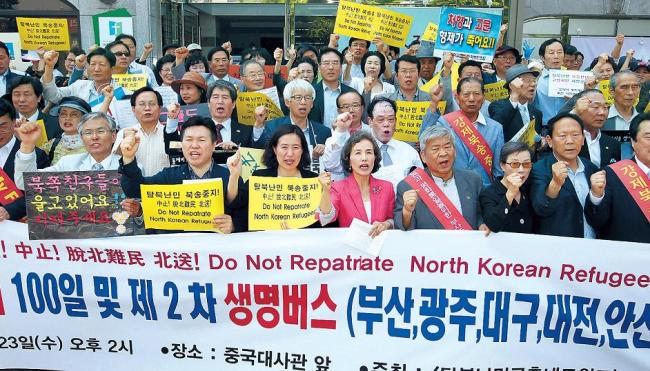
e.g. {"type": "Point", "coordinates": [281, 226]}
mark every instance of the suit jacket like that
{"type": "Point", "coordinates": [563, 215]}
{"type": "Point", "coordinates": [320, 131]}
{"type": "Point", "coordinates": [52, 127]}
{"type": "Point", "coordinates": [618, 217]}
{"type": "Point", "coordinates": [610, 150]}
{"type": "Point", "coordinates": [317, 113]}
{"type": "Point", "coordinates": [346, 198]}
{"type": "Point", "coordinates": [469, 186]}
{"type": "Point", "coordinates": [17, 209]}
{"type": "Point", "coordinates": [10, 79]}
{"type": "Point", "coordinates": [508, 116]}
{"type": "Point", "coordinates": [500, 216]}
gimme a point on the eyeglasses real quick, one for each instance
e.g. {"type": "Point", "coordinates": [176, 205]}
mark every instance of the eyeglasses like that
{"type": "Point", "coordinates": [256, 75]}
{"type": "Point", "coordinates": [306, 98]}
{"type": "Point", "coordinates": [220, 60]}
{"type": "Point", "coordinates": [505, 58]}
{"type": "Point", "coordinates": [166, 70]}
{"type": "Point", "coordinates": [330, 64]}
{"type": "Point", "coordinates": [517, 164]}
{"type": "Point", "coordinates": [89, 133]}
{"type": "Point", "coordinates": [529, 80]}
{"type": "Point", "coordinates": [72, 115]}
{"type": "Point", "coordinates": [354, 106]}
{"type": "Point", "coordinates": [147, 104]}
{"type": "Point", "coordinates": [408, 72]}
{"type": "Point", "coordinates": [122, 54]}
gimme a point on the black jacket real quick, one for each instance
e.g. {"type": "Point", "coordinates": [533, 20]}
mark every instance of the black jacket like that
{"type": "Point", "coordinates": [503, 112]}
{"type": "Point", "coordinates": [317, 112]}
{"type": "Point", "coordinates": [17, 209]}
{"type": "Point", "coordinates": [500, 216]}
{"type": "Point", "coordinates": [610, 150]}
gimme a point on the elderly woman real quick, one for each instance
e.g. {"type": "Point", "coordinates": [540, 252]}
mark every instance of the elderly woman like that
{"type": "Point", "coordinates": [359, 195]}
{"type": "Point", "coordinates": [505, 203]}
{"type": "Point", "coordinates": [192, 88]}
{"type": "Point", "coordinates": [69, 111]}
{"type": "Point", "coordinates": [373, 65]}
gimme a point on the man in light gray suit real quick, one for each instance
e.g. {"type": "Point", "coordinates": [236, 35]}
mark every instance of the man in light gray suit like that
{"type": "Point", "coordinates": [457, 190]}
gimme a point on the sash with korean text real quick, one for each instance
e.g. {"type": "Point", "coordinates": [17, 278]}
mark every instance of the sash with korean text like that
{"type": "Point", "coordinates": [8, 190]}
{"type": "Point", "coordinates": [472, 138]}
{"type": "Point", "coordinates": [636, 183]}
{"type": "Point", "coordinates": [436, 201]}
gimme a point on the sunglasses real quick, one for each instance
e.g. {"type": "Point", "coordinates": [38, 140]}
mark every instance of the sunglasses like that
{"type": "Point", "coordinates": [122, 54]}
{"type": "Point", "coordinates": [516, 165]}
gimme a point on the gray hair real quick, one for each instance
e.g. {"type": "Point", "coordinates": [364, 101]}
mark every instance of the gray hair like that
{"type": "Point", "coordinates": [243, 66]}
{"type": "Point", "coordinates": [222, 85]}
{"type": "Point", "coordinates": [433, 132]}
{"type": "Point", "coordinates": [112, 125]}
{"type": "Point", "coordinates": [614, 79]}
{"type": "Point", "coordinates": [298, 84]}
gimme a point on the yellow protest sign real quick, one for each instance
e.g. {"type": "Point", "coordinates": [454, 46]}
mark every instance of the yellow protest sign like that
{"type": "Point", "coordinates": [275, 201]}
{"type": "Point", "coordinates": [131, 81]}
{"type": "Point", "coordinates": [367, 21]}
{"type": "Point", "coordinates": [43, 138]}
{"type": "Point", "coordinates": [251, 160]}
{"type": "Point", "coordinates": [409, 119]}
{"type": "Point", "coordinates": [526, 135]}
{"type": "Point", "coordinates": [430, 33]}
{"type": "Point", "coordinates": [187, 207]}
{"type": "Point", "coordinates": [647, 107]}
{"type": "Point", "coordinates": [248, 101]}
{"type": "Point", "coordinates": [496, 91]}
{"type": "Point", "coordinates": [436, 79]}
{"type": "Point", "coordinates": [51, 33]}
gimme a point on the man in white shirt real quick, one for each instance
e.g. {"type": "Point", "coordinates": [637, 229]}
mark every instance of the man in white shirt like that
{"type": "Point", "coordinates": [26, 92]}
{"type": "Point", "coordinates": [624, 87]}
{"type": "Point", "coordinates": [146, 104]}
{"type": "Point", "coordinates": [97, 131]}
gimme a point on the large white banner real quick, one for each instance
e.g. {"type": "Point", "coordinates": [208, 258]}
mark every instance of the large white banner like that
{"type": "Point", "coordinates": [302, 300]}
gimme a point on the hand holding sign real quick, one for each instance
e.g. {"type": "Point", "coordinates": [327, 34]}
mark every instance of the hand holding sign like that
{"type": "Point", "coordinates": [129, 145]}
{"type": "Point", "coordinates": [223, 223]}
{"type": "Point", "coordinates": [132, 207]}
{"type": "Point", "coordinates": [4, 215]}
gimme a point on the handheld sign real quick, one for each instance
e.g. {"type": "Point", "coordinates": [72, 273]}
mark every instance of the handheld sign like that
{"type": "Point", "coordinates": [566, 83]}
{"type": "Point", "coordinates": [468, 32]}
{"type": "Point", "coordinates": [251, 160]}
{"type": "Point", "coordinates": [366, 22]}
{"type": "Point", "coordinates": [131, 81]}
{"type": "Point", "coordinates": [248, 101]}
{"type": "Point", "coordinates": [51, 33]}
{"type": "Point", "coordinates": [496, 91]}
{"type": "Point", "coordinates": [8, 190]}
{"type": "Point", "coordinates": [409, 119]}
{"type": "Point", "coordinates": [430, 33]}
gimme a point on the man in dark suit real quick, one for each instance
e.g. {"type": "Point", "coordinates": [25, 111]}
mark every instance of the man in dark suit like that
{"type": "Point", "coordinates": [561, 181]}
{"type": "Point", "coordinates": [7, 78]}
{"type": "Point", "coordinates": [9, 145]}
{"type": "Point", "coordinates": [26, 94]}
{"type": "Point", "coordinates": [328, 89]}
{"type": "Point", "coordinates": [610, 207]}
{"type": "Point", "coordinates": [516, 110]}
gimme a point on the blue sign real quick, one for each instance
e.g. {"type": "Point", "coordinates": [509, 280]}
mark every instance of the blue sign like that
{"type": "Point", "coordinates": [468, 32]}
{"type": "Point", "coordinates": [114, 28]}
{"type": "Point", "coordinates": [10, 46]}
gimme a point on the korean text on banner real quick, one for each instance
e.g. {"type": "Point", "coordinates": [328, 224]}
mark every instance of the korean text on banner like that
{"type": "Point", "coordinates": [409, 119]}
{"type": "Point", "coordinates": [251, 160]}
{"type": "Point", "coordinates": [468, 32]}
{"type": "Point", "coordinates": [131, 81]}
{"type": "Point", "coordinates": [430, 33]}
{"type": "Point", "coordinates": [248, 101]}
{"type": "Point", "coordinates": [367, 21]}
{"type": "Point", "coordinates": [496, 91]}
{"type": "Point", "coordinates": [566, 83]}
{"type": "Point", "coordinates": [200, 109]}
{"type": "Point", "coordinates": [187, 207]}
{"type": "Point", "coordinates": [51, 33]}
{"type": "Point", "coordinates": [275, 201]}
{"type": "Point", "coordinates": [75, 204]}
{"type": "Point", "coordinates": [9, 192]}
{"type": "Point", "coordinates": [211, 302]}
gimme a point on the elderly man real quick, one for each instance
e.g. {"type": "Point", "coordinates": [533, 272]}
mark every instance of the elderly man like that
{"type": "Point", "coordinates": [477, 138]}
{"type": "Point", "coordinates": [427, 61]}
{"type": "Point", "coordinates": [97, 131]}
{"type": "Point", "coordinates": [26, 93]}
{"type": "Point", "coordinates": [407, 72]}
{"type": "Point", "coordinates": [624, 87]}
{"type": "Point", "coordinates": [552, 53]}
{"type": "Point", "coordinates": [439, 197]}
{"type": "Point", "coordinates": [515, 112]}
{"type": "Point", "coordinates": [219, 59]}
{"type": "Point", "coordinates": [324, 106]}
{"type": "Point", "coordinates": [252, 74]}
{"type": "Point", "coordinates": [618, 203]}
{"type": "Point", "coordinates": [560, 183]}
{"type": "Point", "coordinates": [504, 57]}
{"type": "Point", "coordinates": [466, 69]}
{"type": "Point", "coordinates": [9, 146]}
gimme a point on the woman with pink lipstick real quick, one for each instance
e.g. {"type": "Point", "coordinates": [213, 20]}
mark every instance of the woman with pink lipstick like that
{"type": "Point", "coordinates": [360, 195]}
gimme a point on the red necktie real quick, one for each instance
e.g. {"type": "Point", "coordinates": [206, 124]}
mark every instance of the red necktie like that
{"type": "Point", "coordinates": [219, 138]}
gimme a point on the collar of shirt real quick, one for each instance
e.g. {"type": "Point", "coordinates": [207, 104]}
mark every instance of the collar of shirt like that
{"type": "Point", "coordinates": [226, 124]}
{"type": "Point", "coordinates": [516, 105]}
{"type": "Point", "coordinates": [205, 176]}
{"type": "Point", "coordinates": [327, 88]}
{"type": "Point", "coordinates": [401, 96]}
{"type": "Point", "coordinates": [7, 147]}
{"type": "Point", "coordinates": [481, 119]}
{"type": "Point", "coordinates": [580, 169]}
{"type": "Point", "coordinates": [545, 73]}
{"type": "Point", "coordinates": [443, 183]}
{"type": "Point", "coordinates": [643, 167]}
{"type": "Point", "coordinates": [106, 163]}
{"type": "Point", "coordinates": [4, 75]}
{"type": "Point", "coordinates": [588, 137]}
{"type": "Point", "coordinates": [32, 118]}
{"type": "Point", "coordinates": [613, 112]}
{"type": "Point", "coordinates": [153, 132]}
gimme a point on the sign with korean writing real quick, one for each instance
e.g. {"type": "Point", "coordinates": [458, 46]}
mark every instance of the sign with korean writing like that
{"type": "Point", "coordinates": [251, 160]}
{"type": "Point", "coordinates": [187, 111]}
{"type": "Point", "coordinates": [409, 119]}
{"type": "Point", "coordinates": [436, 79]}
{"type": "Point", "coordinates": [51, 33]}
{"type": "Point", "coordinates": [367, 21]}
{"type": "Point", "coordinates": [234, 71]}
{"type": "Point", "coordinates": [566, 83]}
{"type": "Point", "coordinates": [8, 190]}
{"type": "Point", "coordinates": [247, 102]}
{"type": "Point", "coordinates": [131, 81]}
{"type": "Point", "coordinates": [75, 204]}
{"type": "Point", "coordinates": [496, 91]}
{"type": "Point", "coordinates": [278, 203]}
{"type": "Point", "coordinates": [168, 94]}
{"type": "Point", "coordinates": [186, 207]}
{"type": "Point", "coordinates": [304, 299]}
{"type": "Point", "coordinates": [430, 33]}
{"type": "Point", "coordinates": [468, 32]}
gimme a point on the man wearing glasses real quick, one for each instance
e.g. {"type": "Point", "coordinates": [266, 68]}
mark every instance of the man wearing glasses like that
{"type": "Point", "coordinates": [504, 57]}
{"type": "Point", "coordinates": [327, 90]}
{"type": "Point", "coordinates": [407, 71]}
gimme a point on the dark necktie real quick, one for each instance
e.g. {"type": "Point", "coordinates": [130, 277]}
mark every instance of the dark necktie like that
{"type": "Point", "coordinates": [219, 138]}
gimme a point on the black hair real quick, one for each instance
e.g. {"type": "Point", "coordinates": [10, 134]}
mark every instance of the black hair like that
{"type": "Point", "coordinates": [103, 53]}
{"type": "Point", "coordinates": [216, 50]}
{"type": "Point", "coordinates": [303, 48]}
{"type": "Point", "coordinates": [382, 61]}
{"type": "Point", "coordinates": [202, 99]}
{"type": "Point", "coordinates": [200, 121]}
{"type": "Point", "coordinates": [309, 61]}
{"type": "Point", "coordinates": [28, 80]}
{"type": "Point", "coordinates": [7, 108]}
{"type": "Point", "coordinates": [354, 139]}
{"type": "Point", "coordinates": [330, 50]}
{"type": "Point", "coordinates": [196, 59]}
{"type": "Point", "coordinates": [145, 89]}
{"type": "Point", "coordinates": [551, 123]}
{"type": "Point", "coordinates": [579, 54]}
{"type": "Point", "coordinates": [76, 51]}
{"type": "Point", "coordinates": [513, 147]}
{"type": "Point", "coordinates": [609, 60]}
{"type": "Point", "coordinates": [545, 44]}
{"type": "Point", "coordinates": [469, 80]}
{"type": "Point", "coordinates": [357, 39]}
{"type": "Point", "coordinates": [634, 125]}
{"type": "Point", "coordinates": [414, 42]}
{"type": "Point", "coordinates": [115, 43]}
{"type": "Point", "coordinates": [408, 59]}
{"type": "Point", "coordinates": [394, 48]}
{"type": "Point", "coordinates": [159, 65]}
{"type": "Point", "coordinates": [169, 46]}
{"type": "Point", "coordinates": [271, 161]}
{"type": "Point", "coordinates": [125, 36]}
{"type": "Point", "coordinates": [379, 99]}
{"type": "Point", "coordinates": [224, 86]}
{"type": "Point", "coordinates": [570, 50]}
{"type": "Point", "coordinates": [353, 91]}
{"type": "Point", "coordinates": [6, 49]}
{"type": "Point", "coordinates": [469, 63]}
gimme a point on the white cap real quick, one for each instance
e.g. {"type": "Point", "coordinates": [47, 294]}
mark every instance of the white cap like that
{"type": "Point", "coordinates": [194, 46]}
